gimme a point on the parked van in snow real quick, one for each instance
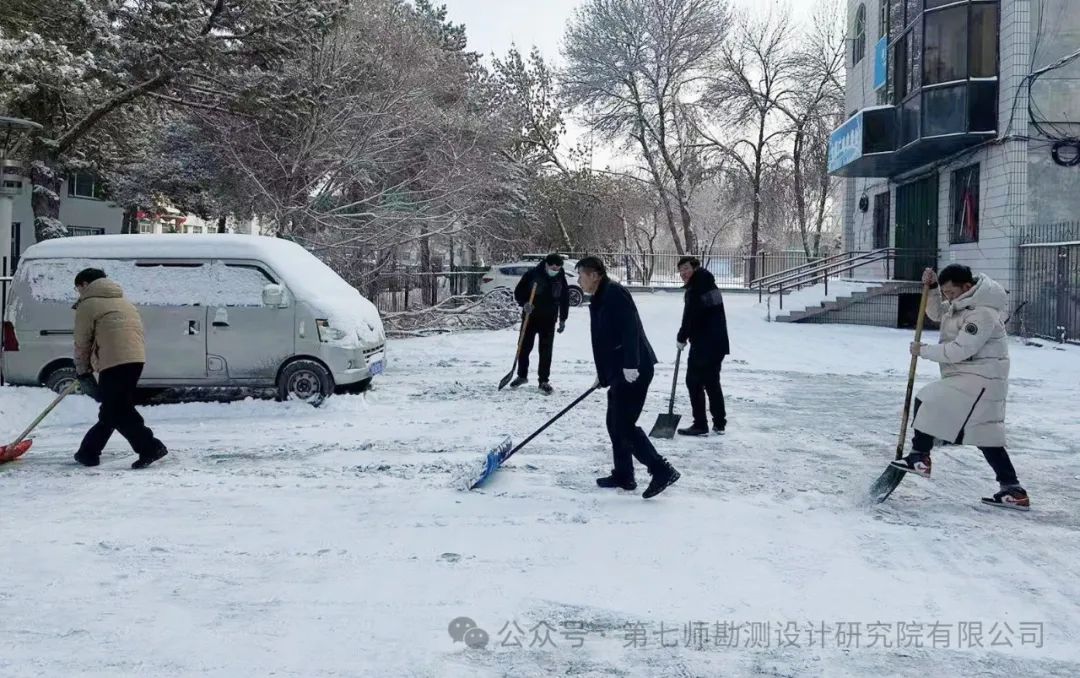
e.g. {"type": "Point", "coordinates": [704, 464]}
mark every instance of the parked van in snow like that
{"type": "Point", "coordinates": [218, 310]}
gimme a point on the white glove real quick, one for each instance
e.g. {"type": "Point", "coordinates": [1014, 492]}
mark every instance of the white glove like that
{"type": "Point", "coordinates": [596, 383]}
{"type": "Point", "coordinates": [680, 345]}
{"type": "Point", "coordinates": [630, 376]}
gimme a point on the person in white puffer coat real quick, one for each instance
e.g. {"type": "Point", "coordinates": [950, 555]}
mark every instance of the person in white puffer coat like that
{"type": "Point", "coordinates": [967, 405]}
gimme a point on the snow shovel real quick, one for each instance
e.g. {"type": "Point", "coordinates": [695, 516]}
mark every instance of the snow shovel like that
{"type": "Point", "coordinates": [22, 443]}
{"type": "Point", "coordinates": [892, 476]}
{"type": "Point", "coordinates": [667, 423]}
{"type": "Point", "coordinates": [521, 339]}
{"type": "Point", "coordinates": [496, 457]}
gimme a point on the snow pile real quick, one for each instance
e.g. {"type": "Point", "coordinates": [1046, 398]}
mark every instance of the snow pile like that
{"type": "Point", "coordinates": [495, 310]}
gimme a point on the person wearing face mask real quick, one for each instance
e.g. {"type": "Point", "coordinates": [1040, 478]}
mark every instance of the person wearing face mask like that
{"type": "Point", "coordinates": [549, 307]}
{"type": "Point", "coordinates": [967, 405]}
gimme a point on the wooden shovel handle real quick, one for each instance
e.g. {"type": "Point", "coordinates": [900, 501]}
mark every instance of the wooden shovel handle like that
{"type": "Point", "coordinates": [524, 324]}
{"type": "Point", "coordinates": [911, 372]}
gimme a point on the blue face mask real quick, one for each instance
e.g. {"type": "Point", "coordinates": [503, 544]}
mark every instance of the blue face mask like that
{"type": "Point", "coordinates": [553, 273]}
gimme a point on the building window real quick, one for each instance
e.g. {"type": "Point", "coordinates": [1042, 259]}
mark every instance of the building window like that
{"type": "Point", "coordinates": [85, 186]}
{"type": "Point", "coordinates": [983, 53]}
{"type": "Point", "coordinates": [883, 20]}
{"type": "Point", "coordinates": [946, 46]}
{"type": "Point", "coordinates": [965, 205]}
{"type": "Point", "coordinates": [16, 248]}
{"type": "Point", "coordinates": [74, 231]}
{"type": "Point", "coordinates": [858, 49]}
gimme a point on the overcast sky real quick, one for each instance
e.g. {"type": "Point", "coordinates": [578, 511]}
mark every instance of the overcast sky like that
{"type": "Point", "coordinates": [492, 26]}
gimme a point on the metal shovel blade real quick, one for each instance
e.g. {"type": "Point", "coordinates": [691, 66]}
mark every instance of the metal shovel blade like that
{"type": "Point", "coordinates": [885, 484]}
{"type": "Point", "coordinates": [665, 426]}
{"type": "Point", "coordinates": [506, 380]}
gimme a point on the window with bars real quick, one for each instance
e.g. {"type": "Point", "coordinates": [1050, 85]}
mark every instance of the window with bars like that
{"type": "Point", "coordinates": [965, 205]}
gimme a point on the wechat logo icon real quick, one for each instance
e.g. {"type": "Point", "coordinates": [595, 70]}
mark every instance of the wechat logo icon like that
{"type": "Point", "coordinates": [465, 630]}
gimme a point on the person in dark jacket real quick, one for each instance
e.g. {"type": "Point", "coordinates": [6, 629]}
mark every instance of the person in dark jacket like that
{"type": "Point", "coordinates": [624, 365]}
{"type": "Point", "coordinates": [551, 305]}
{"type": "Point", "coordinates": [704, 325]}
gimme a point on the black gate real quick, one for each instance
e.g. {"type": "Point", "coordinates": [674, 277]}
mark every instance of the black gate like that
{"type": "Point", "coordinates": [916, 227]}
{"type": "Point", "coordinates": [1050, 288]}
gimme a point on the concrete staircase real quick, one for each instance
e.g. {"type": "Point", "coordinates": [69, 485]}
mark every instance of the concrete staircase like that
{"type": "Point", "coordinates": [837, 304]}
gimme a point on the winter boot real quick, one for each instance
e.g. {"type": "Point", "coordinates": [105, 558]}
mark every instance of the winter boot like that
{"type": "Point", "coordinates": [613, 481]}
{"type": "Point", "coordinates": [1013, 497]}
{"type": "Point", "coordinates": [916, 462]}
{"type": "Point", "coordinates": [518, 381]}
{"type": "Point", "coordinates": [695, 430]}
{"type": "Point", "coordinates": [545, 388]}
{"type": "Point", "coordinates": [86, 459]}
{"type": "Point", "coordinates": [661, 480]}
{"type": "Point", "coordinates": [719, 427]}
{"type": "Point", "coordinates": [145, 460]}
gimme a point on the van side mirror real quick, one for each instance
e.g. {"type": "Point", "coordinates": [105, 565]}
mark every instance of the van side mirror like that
{"type": "Point", "coordinates": [274, 296]}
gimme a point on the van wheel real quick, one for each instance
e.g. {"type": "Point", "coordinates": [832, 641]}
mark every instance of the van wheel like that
{"type": "Point", "coordinates": [305, 380]}
{"type": "Point", "coordinates": [576, 296]}
{"type": "Point", "coordinates": [60, 378]}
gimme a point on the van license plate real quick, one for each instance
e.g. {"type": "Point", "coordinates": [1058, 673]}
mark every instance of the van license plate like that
{"type": "Point", "coordinates": [376, 367]}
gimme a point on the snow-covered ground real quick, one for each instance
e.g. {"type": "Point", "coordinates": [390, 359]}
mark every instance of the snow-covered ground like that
{"type": "Point", "coordinates": [281, 540]}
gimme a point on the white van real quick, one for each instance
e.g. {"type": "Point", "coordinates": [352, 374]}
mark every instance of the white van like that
{"type": "Point", "coordinates": [218, 311]}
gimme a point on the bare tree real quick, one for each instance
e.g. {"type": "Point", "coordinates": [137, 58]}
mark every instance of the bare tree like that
{"type": "Point", "coordinates": [817, 109]}
{"type": "Point", "coordinates": [756, 80]}
{"type": "Point", "coordinates": [632, 67]}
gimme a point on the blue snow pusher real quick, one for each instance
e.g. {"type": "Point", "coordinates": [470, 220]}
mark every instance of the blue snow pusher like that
{"type": "Point", "coordinates": [499, 454]}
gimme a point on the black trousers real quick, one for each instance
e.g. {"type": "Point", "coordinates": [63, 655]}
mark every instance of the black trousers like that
{"type": "Point", "coordinates": [703, 378]}
{"type": "Point", "coordinates": [997, 457]}
{"type": "Point", "coordinates": [117, 413]}
{"type": "Point", "coordinates": [544, 327]}
{"type": "Point", "coordinates": [628, 440]}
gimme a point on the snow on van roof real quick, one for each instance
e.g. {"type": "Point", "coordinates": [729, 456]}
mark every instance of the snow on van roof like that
{"type": "Point", "coordinates": [180, 246]}
{"type": "Point", "coordinates": [307, 275]}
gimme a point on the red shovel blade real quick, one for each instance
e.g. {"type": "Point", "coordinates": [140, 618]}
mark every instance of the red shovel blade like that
{"type": "Point", "coordinates": [13, 452]}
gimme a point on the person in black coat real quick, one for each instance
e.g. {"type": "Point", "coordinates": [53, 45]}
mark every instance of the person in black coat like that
{"type": "Point", "coordinates": [551, 304]}
{"type": "Point", "coordinates": [624, 365]}
{"type": "Point", "coordinates": [704, 325]}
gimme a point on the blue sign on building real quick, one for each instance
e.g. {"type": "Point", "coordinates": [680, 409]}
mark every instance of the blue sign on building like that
{"type": "Point", "coordinates": [845, 144]}
{"type": "Point", "coordinates": [881, 63]}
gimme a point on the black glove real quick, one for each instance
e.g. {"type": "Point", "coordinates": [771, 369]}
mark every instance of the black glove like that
{"type": "Point", "coordinates": [562, 326]}
{"type": "Point", "coordinates": [89, 386]}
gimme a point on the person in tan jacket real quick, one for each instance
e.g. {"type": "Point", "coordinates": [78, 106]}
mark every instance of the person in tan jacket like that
{"type": "Point", "coordinates": [109, 340]}
{"type": "Point", "coordinates": [967, 405]}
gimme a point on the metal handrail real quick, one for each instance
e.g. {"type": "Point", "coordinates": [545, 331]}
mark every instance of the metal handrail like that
{"type": "Point", "coordinates": [854, 260]}
{"type": "Point", "coordinates": [768, 279]}
{"type": "Point", "coordinates": [887, 254]}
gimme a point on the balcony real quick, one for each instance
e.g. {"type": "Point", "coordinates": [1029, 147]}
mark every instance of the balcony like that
{"type": "Point", "coordinates": [943, 82]}
{"type": "Point", "coordinates": [934, 123]}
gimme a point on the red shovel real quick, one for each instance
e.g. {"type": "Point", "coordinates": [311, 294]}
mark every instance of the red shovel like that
{"type": "Point", "coordinates": [22, 443]}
